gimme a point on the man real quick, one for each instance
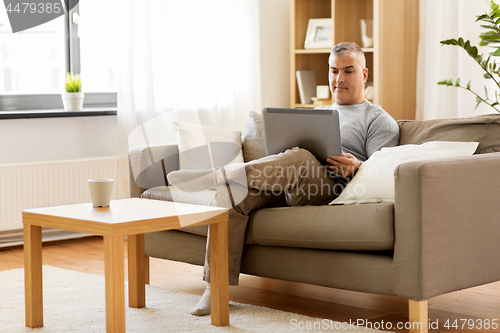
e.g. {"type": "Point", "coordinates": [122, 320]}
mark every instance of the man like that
{"type": "Point", "coordinates": [287, 178]}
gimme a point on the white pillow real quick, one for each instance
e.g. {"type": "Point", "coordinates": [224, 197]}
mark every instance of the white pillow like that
{"type": "Point", "coordinates": [203, 147]}
{"type": "Point", "coordinates": [374, 181]}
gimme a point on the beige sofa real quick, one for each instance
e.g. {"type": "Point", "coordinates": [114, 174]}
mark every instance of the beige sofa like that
{"type": "Point", "coordinates": [441, 234]}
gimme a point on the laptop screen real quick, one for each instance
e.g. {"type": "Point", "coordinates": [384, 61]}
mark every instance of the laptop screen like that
{"type": "Point", "coordinates": [316, 130]}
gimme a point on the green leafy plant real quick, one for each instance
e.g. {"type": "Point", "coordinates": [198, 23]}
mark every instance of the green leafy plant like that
{"type": "Point", "coordinates": [489, 38]}
{"type": "Point", "coordinates": [73, 83]}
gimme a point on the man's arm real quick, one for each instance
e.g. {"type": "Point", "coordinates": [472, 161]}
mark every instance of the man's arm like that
{"type": "Point", "coordinates": [382, 132]}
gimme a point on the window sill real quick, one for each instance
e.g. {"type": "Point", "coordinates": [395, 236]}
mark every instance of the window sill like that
{"type": "Point", "coordinates": [58, 113]}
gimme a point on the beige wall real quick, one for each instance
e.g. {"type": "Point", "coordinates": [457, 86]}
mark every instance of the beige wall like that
{"type": "Point", "coordinates": [274, 52]}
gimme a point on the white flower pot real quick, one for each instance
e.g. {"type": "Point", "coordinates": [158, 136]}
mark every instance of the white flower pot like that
{"type": "Point", "coordinates": [73, 101]}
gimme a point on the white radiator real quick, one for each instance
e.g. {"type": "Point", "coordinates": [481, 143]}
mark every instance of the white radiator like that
{"type": "Point", "coordinates": [33, 185]}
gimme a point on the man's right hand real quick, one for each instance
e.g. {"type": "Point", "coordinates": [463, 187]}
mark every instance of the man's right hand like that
{"type": "Point", "coordinates": [346, 165]}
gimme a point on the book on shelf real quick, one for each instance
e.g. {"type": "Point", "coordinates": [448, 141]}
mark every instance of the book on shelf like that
{"type": "Point", "coordinates": [306, 82]}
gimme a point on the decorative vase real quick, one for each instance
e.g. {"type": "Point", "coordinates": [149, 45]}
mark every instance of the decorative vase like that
{"type": "Point", "coordinates": [367, 33]}
{"type": "Point", "coordinates": [72, 101]}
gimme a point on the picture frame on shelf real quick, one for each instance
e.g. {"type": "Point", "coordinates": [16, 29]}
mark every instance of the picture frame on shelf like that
{"type": "Point", "coordinates": [319, 34]}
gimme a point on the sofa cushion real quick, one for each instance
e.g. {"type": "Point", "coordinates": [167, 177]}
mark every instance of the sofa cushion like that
{"type": "Point", "coordinates": [484, 129]}
{"type": "Point", "coordinates": [367, 227]}
{"type": "Point", "coordinates": [252, 138]}
{"type": "Point", "coordinates": [169, 193]}
{"type": "Point", "coordinates": [374, 181]}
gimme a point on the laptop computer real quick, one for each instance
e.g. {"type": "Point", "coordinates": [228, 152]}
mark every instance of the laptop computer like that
{"type": "Point", "coordinates": [316, 130]}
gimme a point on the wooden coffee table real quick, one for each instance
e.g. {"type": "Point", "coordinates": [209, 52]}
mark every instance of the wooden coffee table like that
{"type": "Point", "coordinates": [132, 218]}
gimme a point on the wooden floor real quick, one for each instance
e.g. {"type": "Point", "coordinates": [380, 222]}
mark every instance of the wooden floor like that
{"type": "Point", "coordinates": [478, 304]}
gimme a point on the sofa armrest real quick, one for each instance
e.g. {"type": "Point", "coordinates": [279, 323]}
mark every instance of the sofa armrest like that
{"type": "Point", "coordinates": [447, 228]}
{"type": "Point", "coordinates": [149, 166]}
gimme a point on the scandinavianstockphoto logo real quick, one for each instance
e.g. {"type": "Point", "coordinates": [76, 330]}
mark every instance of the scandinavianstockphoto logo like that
{"type": "Point", "coordinates": [25, 14]}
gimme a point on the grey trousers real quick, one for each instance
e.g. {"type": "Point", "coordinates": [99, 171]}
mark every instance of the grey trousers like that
{"type": "Point", "coordinates": [292, 178]}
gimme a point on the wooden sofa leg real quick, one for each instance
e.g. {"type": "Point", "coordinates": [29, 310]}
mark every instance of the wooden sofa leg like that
{"type": "Point", "coordinates": [146, 269]}
{"type": "Point", "coordinates": [418, 316]}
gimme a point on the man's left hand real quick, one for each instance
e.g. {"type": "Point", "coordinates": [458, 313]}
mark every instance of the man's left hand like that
{"type": "Point", "coordinates": [345, 165]}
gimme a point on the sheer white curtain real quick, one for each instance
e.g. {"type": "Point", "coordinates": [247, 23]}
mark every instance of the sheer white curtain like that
{"type": "Point", "coordinates": [440, 20]}
{"type": "Point", "coordinates": [190, 60]}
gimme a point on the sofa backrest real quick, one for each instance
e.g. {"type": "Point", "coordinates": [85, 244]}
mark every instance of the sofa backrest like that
{"type": "Point", "coordinates": [484, 129]}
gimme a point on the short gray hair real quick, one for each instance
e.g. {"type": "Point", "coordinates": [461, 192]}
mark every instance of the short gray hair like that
{"type": "Point", "coordinates": [342, 49]}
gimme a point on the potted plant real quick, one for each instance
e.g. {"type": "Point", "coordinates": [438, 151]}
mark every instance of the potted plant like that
{"type": "Point", "coordinates": [491, 69]}
{"type": "Point", "coordinates": [73, 96]}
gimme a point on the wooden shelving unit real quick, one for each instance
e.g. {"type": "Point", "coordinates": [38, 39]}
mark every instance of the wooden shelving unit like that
{"type": "Point", "coordinates": [392, 61]}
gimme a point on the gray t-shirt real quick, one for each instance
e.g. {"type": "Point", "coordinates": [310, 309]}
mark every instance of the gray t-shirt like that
{"type": "Point", "coordinates": [365, 128]}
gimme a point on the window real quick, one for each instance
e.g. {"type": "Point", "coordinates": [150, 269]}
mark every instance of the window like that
{"type": "Point", "coordinates": [32, 60]}
{"type": "Point", "coordinates": [98, 51]}
{"type": "Point", "coordinates": [35, 61]}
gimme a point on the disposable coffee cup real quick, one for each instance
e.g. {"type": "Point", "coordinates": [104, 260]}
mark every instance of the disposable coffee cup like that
{"type": "Point", "coordinates": [100, 191]}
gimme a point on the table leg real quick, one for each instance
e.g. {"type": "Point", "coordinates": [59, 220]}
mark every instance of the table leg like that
{"type": "Point", "coordinates": [33, 275]}
{"type": "Point", "coordinates": [114, 273]}
{"type": "Point", "coordinates": [136, 271]}
{"type": "Point", "coordinates": [219, 275]}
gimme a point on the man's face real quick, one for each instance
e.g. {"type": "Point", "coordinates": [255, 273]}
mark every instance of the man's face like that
{"type": "Point", "coordinates": [347, 78]}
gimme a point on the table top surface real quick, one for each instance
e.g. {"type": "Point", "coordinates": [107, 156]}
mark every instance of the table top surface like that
{"type": "Point", "coordinates": [134, 214]}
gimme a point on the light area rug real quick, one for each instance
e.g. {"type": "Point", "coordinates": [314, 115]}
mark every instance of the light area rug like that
{"type": "Point", "coordinates": [75, 302]}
